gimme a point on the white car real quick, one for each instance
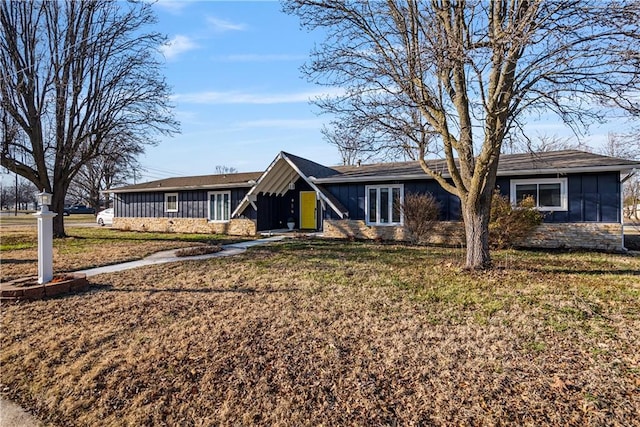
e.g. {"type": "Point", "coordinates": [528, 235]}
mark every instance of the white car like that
{"type": "Point", "coordinates": [105, 217]}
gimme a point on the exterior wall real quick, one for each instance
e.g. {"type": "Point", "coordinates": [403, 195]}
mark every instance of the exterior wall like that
{"type": "Point", "coordinates": [598, 236]}
{"type": "Point", "coordinates": [235, 227]}
{"type": "Point", "coordinates": [352, 197]}
{"type": "Point", "coordinates": [592, 197]}
{"type": "Point", "coordinates": [191, 204]}
{"type": "Point", "coordinates": [273, 210]}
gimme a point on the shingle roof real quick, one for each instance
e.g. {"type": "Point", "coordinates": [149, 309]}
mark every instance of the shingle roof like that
{"type": "Point", "coordinates": [310, 168]}
{"type": "Point", "coordinates": [510, 164]}
{"type": "Point", "coordinates": [566, 161]}
{"type": "Point", "coordinates": [194, 182]}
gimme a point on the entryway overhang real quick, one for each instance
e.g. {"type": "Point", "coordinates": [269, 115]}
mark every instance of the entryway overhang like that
{"type": "Point", "coordinates": [281, 176]}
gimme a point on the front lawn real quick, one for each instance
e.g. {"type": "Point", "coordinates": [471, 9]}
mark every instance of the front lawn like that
{"type": "Point", "coordinates": [317, 332]}
{"type": "Point", "coordinates": [88, 247]}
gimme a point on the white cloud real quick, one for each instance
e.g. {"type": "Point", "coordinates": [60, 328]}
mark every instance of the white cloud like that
{"type": "Point", "coordinates": [176, 46]}
{"type": "Point", "coordinates": [253, 57]}
{"type": "Point", "coordinates": [172, 6]}
{"type": "Point", "coordinates": [233, 97]}
{"type": "Point", "coordinates": [221, 25]}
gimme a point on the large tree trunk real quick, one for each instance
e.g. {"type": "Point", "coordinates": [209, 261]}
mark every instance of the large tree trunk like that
{"type": "Point", "coordinates": [57, 205]}
{"type": "Point", "coordinates": [476, 225]}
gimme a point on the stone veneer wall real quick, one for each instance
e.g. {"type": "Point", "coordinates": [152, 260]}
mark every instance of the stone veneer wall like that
{"type": "Point", "coordinates": [450, 233]}
{"type": "Point", "coordinates": [235, 227]}
{"type": "Point", "coordinates": [582, 235]}
{"type": "Point", "coordinates": [549, 236]}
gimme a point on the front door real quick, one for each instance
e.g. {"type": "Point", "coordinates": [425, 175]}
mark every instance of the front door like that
{"type": "Point", "coordinates": [308, 210]}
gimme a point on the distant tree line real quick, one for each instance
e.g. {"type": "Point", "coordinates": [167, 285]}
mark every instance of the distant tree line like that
{"type": "Point", "coordinates": [18, 195]}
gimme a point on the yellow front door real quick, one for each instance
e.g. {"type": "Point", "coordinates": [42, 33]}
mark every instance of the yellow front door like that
{"type": "Point", "coordinates": [308, 209]}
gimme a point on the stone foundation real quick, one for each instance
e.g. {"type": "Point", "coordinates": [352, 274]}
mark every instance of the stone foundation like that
{"type": "Point", "coordinates": [593, 236]}
{"type": "Point", "coordinates": [235, 227]}
{"type": "Point", "coordinates": [447, 233]}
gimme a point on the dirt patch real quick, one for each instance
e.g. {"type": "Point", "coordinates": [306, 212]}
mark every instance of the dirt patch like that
{"type": "Point", "coordinates": [328, 333]}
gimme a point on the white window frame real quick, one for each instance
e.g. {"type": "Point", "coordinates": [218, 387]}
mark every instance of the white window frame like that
{"type": "Point", "coordinates": [166, 202]}
{"type": "Point", "coordinates": [564, 198]}
{"type": "Point", "coordinates": [376, 221]}
{"type": "Point", "coordinates": [212, 215]}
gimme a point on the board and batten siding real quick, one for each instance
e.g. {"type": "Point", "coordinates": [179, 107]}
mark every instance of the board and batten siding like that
{"type": "Point", "coordinates": [593, 197]}
{"type": "Point", "coordinates": [352, 197]}
{"type": "Point", "coordinates": [191, 204]}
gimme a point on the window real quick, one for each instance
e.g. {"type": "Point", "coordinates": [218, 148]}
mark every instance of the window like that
{"type": "Point", "coordinates": [171, 202]}
{"type": "Point", "coordinates": [550, 194]}
{"type": "Point", "coordinates": [383, 204]}
{"type": "Point", "coordinates": [219, 206]}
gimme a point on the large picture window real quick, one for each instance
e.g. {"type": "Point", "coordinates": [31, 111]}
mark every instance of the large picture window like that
{"type": "Point", "coordinates": [383, 204]}
{"type": "Point", "coordinates": [219, 206]}
{"type": "Point", "coordinates": [171, 202]}
{"type": "Point", "coordinates": [550, 194]}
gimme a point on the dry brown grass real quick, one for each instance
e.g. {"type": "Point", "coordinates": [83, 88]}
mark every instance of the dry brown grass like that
{"type": "Point", "coordinates": [330, 333]}
{"type": "Point", "coordinates": [87, 248]}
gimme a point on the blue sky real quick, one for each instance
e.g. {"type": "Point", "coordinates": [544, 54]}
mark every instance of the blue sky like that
{"type": "Point", "coordinates": [234, 67]}
{"type": "Point", "coordinates": [240, 96]}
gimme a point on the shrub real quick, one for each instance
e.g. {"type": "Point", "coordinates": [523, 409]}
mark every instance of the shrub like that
{"type": "Point", "coordinates": [198, 250]}
{"type": "Point", "coordinates": [509, 225]}
{"type": "Point", "coordinates": [421, 211]}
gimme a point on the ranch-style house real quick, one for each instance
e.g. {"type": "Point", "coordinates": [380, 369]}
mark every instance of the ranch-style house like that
{"type": "Point", "coordinates": [579, 193]}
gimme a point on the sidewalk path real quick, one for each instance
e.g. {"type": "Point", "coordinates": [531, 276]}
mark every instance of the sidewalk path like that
{"type": "Point", "coordinates": [170, 256]}
{"type": "Point", "coordinates": [12, 415]}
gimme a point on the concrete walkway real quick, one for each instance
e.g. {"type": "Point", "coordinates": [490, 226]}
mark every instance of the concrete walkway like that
{"type": "Point", "coordinates": [12, 415]}
{"type": "Point", "coordinates": [170, 256]}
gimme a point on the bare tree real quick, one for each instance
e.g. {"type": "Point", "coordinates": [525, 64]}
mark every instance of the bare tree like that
{"type": "Point", "coordinates": [627, 146]}
{"type": "Point", "coordinates": [374, 128]}
{"type": "Point", "coordinates": [73, 76]}
{"type": "Point", "coordinates": [474, 71]}
{"type": "Point", "coordinates": [632, 197]}
{"type": "Point", "coordinates": [542, 144]}
{"type": "Point", "coordinates": [622, 145]}
{"type": "Point", "coordinates": [221, 169]}
{"type": "Point", "coordinates": [20, 195]}
{"type": "Point", "coordinates": [115, 167]}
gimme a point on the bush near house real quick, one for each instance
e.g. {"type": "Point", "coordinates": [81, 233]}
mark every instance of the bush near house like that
{"type": "Point", "coordinates": [509, 225]}
{"type": "Point", "coordinates": [421, 212]}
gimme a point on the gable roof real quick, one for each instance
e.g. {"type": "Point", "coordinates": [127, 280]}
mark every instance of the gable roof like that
{"type": "Point", "coordinates": [285, 169]}
{"type": "Point", "coordinates": [220, 181]}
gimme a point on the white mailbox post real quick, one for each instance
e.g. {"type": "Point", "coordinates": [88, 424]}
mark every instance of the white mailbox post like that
{"type": "Point", "coordinates": [45, 238]}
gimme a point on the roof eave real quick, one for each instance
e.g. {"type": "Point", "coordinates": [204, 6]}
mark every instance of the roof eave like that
{"type": "Point", "coordinates": [181, 188]}
{"type": "Point", "coordinates": [411, 177]}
